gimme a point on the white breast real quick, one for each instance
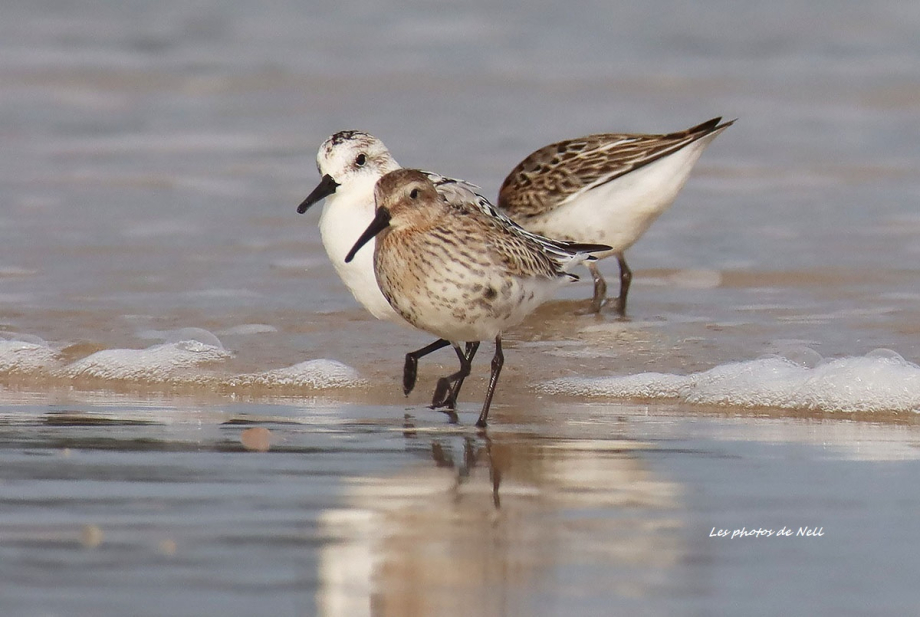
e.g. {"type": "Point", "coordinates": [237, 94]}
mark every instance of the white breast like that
{"type": "Point", "coordinates": [345, 216]}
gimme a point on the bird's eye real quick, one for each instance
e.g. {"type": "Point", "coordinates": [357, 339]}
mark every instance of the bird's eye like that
{"type": "Point", "coordinates": [361, 160]}
{"type": "Point", "coordinates": [413, 194]}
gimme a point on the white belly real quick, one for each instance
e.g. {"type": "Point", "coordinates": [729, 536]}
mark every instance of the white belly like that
{"type": "Point", "coordinates": [619, 212]}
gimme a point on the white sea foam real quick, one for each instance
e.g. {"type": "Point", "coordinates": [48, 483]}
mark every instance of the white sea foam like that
{"type": "Point", "coordinates": [881, 381]}
{"type": "Point", "coordinates": [315, 374]}
{"type": "Point", "coordinates": [182, 334]}
{"type": "Point", "coordinates": [245, 329]}
{"type": "Point", "coordinates": [20, 357]}
{"type": "Point", "coordinates": [190, 356]}
{"type": "Point", "coordinates": [172, 362]}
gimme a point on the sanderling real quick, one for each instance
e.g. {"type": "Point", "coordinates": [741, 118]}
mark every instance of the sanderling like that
{"type": "Point", "coordinates": [350, 163]}
{"type": "Point", "coordinates": [452, 270]}
{"type": "Point", "coordinates": [604, 188]}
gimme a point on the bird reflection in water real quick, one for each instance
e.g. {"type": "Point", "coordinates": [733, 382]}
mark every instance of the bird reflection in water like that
{"type": "Point", "coordinates": [494, 523]}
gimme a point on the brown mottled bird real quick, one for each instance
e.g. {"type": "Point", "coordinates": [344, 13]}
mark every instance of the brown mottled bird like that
{"type": "Point", "coordinates": [604, 188]}
{"type": "Point", "coordinates": [450, 269]}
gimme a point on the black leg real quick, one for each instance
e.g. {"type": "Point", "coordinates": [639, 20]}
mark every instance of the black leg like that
{"type": "Point", "coordinates": [450, 401]}
{"type": "Point", "coordinates": [409, 370]}
{"type": "Point", "coordinates": [445, 383]}
{"type": "Point", "coordinates": [600, 288]}
{"type": "Point", "coordinates": [497, 361]}
{"type": "Point", "coordinates": [625, 280]}
{"type": "Point", "coordinates": [495, 472]}
{"type": "Point", "coordinates": [441, 457]}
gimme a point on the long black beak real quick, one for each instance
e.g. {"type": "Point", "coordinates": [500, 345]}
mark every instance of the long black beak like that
{"type": "Point", "coordinates": [381, 221]}
{"type": "Point", "coordinates": [325, 188]}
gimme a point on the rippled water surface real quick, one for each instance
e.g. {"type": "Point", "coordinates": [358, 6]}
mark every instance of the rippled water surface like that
{"type": "Point", "coordinates": [197, 419]}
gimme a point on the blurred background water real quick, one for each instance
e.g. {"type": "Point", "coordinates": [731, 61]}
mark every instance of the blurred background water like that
{"type": "Point", "coordinates": [160, 295]}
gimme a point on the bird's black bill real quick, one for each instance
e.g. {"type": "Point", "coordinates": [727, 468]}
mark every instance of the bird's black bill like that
{"type": "Point", "coordinates": [381, 221]}
{"type": "Point", "coordinates": [325, 188]}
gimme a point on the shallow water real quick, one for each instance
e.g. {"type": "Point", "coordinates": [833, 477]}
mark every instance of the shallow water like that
{"type": "Point", "coordinates": [114, 506]}
{"type": "Point", "coordinates": [161, 296]}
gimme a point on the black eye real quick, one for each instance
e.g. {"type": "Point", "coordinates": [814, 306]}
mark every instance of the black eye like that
{"type": "Point", "coordinates": [413, 194]}
{"type": "Point", "coordinates": [361, 160]}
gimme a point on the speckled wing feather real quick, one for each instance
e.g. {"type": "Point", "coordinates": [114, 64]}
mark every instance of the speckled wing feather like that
{"type": "Point", "coordinates": [560, 252]}
{"type": "Point", "coordinates": [516, 254]}
{"type": "Point", "coordinates": [559, 172]}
